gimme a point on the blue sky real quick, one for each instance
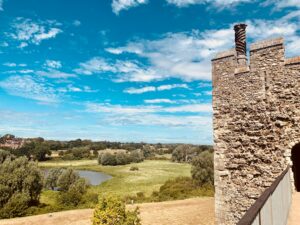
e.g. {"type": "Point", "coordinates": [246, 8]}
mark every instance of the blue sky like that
{"type": "Point", "coordinates": [123, 70]}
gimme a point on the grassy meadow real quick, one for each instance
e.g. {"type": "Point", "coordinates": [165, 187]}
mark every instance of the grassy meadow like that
{"type": "Point", "coordinates": [150, 176]}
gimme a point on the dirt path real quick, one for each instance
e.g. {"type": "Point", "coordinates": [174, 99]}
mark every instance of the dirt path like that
{"type": "Point", "coordinates": [294, 216]}
{"type": "Point", "coordinates": [198, 211]}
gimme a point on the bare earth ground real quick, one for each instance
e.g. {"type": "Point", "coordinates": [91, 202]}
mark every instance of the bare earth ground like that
{"type": "Point", "coordinates": [294, 217]}
{"type": "Point", "coordinates": [197, 211]}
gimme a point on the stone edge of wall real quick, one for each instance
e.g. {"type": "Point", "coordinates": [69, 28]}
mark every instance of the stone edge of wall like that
{"type": "Point", "coordinates": [225, 54]}
{"type": "Point", "coordinates": [291, 61]}
{"type": "Point", "coordinates": [266, 44]}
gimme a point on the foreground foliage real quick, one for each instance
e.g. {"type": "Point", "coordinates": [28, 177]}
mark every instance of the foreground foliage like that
{"type": "Point", "coordinates": [203, 168]}
{"type": "Point", "coordinates": [21, 183]}
{"type": "Point", "coordinates": [111, 211]}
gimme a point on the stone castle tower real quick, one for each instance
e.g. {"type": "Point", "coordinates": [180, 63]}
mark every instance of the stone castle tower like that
{"type": "Point", "coordinates": [256, 108]}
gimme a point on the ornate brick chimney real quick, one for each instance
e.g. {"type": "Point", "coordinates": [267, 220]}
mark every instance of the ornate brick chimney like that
{"type": "Point", "coordinates": [241, 44]}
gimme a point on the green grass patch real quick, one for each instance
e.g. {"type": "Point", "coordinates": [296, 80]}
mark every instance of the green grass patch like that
{"type": "Point", "coordinates": [151, 175]}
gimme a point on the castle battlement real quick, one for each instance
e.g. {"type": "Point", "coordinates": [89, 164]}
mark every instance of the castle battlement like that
{"type": "Point", "coordinates": [256, 123]}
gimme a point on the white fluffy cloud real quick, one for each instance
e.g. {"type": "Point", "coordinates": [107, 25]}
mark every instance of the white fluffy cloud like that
{"type": "Point", "coordinates": [126, 70]}
{"type": "Point", "coordinates": [52, 73]}
{"type": "Point", "coordinates": [279, 4]}
{"type": "Point", "coordinates": [154, 115]}
{"type": "Point", "coordinates": [159, 100]}
{"type": "Point", "coordinates": [31, 88]}
{"type": "Point", "coordinates": [172, 86]}
{"type": "Point", "coordinates": [119, 5]}
{"type": "Point", "coordinates": [217, 3]}
{"type": "Point", "coordinates": [11, 64]}
{"type": "Point", "coordinates": [181, 55]}
{"type": "Point", "coordinates": [120, 109]}
{"type": "Point", "coordinates": [26, 31]}
{"type": "Point", "coordinates": [187, 55]}
{"type": "Point", "coordinates": [72, 88]}
{"type": "Point", "coordinates": [152, 88]}
{"type": "Point", "coordinates": [53, 64]}
{"type": "Point", "coordinates": [140, 90]}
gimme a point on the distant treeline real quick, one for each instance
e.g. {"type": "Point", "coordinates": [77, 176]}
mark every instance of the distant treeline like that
{"type": "Point", "coordinates": [41, 149]}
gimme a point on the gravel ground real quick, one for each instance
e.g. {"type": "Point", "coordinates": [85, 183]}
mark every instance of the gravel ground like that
{"type": "Point", "coordinates": [197, 211]}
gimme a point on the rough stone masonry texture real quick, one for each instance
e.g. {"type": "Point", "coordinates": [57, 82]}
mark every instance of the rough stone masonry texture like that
{"type": "Point", "coordinates": [256, 124]}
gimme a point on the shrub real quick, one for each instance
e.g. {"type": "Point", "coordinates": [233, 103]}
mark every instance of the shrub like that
{"type": "Point", "coordinates": [51, 180]}
{"type": "Point", "coordinates": [111, 211]}
{"type": "Point", "coordinates": [136, 156]}
{"type": "Point", "coordinates": [80, 153]}
{"type": "Point", "coordinates": [120, 158]}
{"type": "Point", "coordinates": [181, 188]}
{"type": "Point", "coordinates": [66, 179]}
{"type": "Point", "coordinates": [203, 168]}
{"type": "Point", "coordinates": [73, 196]}
{"type": "Point", "coordinates": [16, 206]}
{"type": "Point", "coordinates": [72, 188]}
{"type": "Point", "coordinates": [4, 155]}
{"type": "Point", "coordinates": [108, 159]}
{"type": "Point", "coordinates": [134, 168]}
{"type": "Point", "coordinates": [20, 186]}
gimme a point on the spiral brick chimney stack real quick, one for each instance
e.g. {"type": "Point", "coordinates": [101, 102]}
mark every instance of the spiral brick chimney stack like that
{"type": "Point", "coordinates": [241, 44]}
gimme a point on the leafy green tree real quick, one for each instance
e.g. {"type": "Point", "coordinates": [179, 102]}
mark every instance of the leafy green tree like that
{"type": "Point", "coordinates": [80, 153]}
{"type": "Point", "coordinates": [36, 149]}
{"type": "Point", "coordinates": [73, 196]}
{"type": "Point", "coordinates": [111, 211]}
{"type": "Point", "coordinates": [66, 179]}
{"type": "Point", "coordinates": [203, 168]}
{"type": "Point", "coordinates": [40, 151]}
{"type": "Point", "coordinates": [21, 183]}
{"type": "Point", "coordinates": [51, 180]}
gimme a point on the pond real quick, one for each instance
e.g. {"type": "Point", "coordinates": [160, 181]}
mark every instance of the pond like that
{"type": "Point", "coordinates": [94, 178]}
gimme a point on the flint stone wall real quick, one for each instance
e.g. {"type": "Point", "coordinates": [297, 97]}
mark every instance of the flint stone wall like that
{"type": "Point", "coordinates": [256, 124]}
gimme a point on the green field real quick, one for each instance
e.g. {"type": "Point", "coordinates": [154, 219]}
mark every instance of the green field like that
{"type": "Point", "coordinates": [150, 176]}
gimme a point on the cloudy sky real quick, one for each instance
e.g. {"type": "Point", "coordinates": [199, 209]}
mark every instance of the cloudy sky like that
{"type": "Point", "coordinates": [125, 70]}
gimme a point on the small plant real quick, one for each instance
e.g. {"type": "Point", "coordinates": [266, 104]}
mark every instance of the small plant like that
{"type": "Point", "coordinates": [111, 211]}
{"type": "Point", "coordinates": [134, 168]}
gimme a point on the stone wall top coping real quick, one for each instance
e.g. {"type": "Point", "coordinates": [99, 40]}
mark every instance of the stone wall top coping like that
{"type": "Point", "coordinates": [294, 60]}
{"type": "Point", "coordinates": [243, 69]}
{"type": "Point", "coordinates": [224, 54]}
{"type": "Point", "coordinates": [266, 44]}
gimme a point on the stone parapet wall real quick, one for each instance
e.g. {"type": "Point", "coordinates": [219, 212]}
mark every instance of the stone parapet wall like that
{"type": "Point", "coordinates": [256, 124]}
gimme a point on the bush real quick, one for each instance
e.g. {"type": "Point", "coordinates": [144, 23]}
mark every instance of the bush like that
{"type": "Point", "coordinates": [136, 156]}
{"type": "Point", "coordinates": [203, 168]}
{"type": "Point", "coordinates": [108, 159]}
{"type": "Point", "coordinates": [66, 179]}
{"type": "Point", "coordinates": [20, 186]}
{"type": "Point", "coordinates": [74, 195]}
{"type": "Point", "coordinates": [134, 168]}
{"type": "Point", "coordinates": [72, 188]}
{"type": "Point", "coordinates": [111, 211]}
{"type": "Point", "coordinates": [181, 188]}
{"type": "Point", "coordinates": [16, 206]}
{"type": "Point", "coordinates": [80, 153]}
{"type": "Point", "coordinates": [4, 155]}
{"type": "Point", "coordinates": [51, 180]}
{"type": "Point", "coordinates": [120, 158]}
